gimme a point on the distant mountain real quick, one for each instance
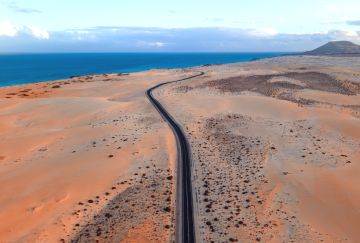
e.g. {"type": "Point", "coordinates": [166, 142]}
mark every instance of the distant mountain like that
{"type": "Point", "coordinates": [336, 48]}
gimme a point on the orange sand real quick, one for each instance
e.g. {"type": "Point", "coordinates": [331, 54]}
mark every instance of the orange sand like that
{"type": "Point", "coordinates": [55, 145]}
{"type": "Point", "coordinates": [277, 166]}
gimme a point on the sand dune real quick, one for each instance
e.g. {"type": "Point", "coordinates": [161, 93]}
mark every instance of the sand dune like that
{"type": "Point", "coordinates": [275, 148]}
{"type": "Point", "coordinates": [69, 152]}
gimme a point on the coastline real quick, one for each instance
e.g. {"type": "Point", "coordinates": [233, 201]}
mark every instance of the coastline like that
{"type": "Point", "coordinates": [119, 66]}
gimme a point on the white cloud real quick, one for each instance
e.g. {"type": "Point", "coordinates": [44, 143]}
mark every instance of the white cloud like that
{"type": "Point", "coordinates": [13, 6]}
{"type": "Point", "coordinates": [7, 29]}
{"type": "Point", "coordinates": [157, 44]}
{"type": "Point", "coordinates": [344, 35]}
{"type": "Point", "coordinates": [10, 30]}
{"type": "Point", "coordinates": [263, 32]}
{"type": "Point", "coordinates": [38, 32]}
{"type": "Point", "coordinates": [350, 33]}
{"type": "Point", "coordinates": [150, 43]}
{"type": "Point", "coordinates": [160, 39]}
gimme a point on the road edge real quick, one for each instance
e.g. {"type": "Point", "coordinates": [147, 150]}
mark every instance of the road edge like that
{"type": "Point", "coordinates": [180, 236]}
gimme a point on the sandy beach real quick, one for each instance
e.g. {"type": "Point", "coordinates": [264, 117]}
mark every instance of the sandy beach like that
{"type": "Point", "coordinates": [275, 152]}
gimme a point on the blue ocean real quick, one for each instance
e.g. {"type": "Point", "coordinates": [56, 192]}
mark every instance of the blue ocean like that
{"type": "Point", "coordinates": [28, 68]}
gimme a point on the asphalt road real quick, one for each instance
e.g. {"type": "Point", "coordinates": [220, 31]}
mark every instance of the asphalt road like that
{"type": "Point", "coordinates": [185, 231]}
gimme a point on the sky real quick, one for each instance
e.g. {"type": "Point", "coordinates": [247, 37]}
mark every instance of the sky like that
{"type": "Point", "coordinates": [175, 26]}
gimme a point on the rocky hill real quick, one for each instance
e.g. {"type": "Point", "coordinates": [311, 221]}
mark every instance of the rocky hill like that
{"type": "Point", "coordinates": [336, 48]}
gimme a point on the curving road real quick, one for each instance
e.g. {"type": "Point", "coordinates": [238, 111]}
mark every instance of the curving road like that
{"type": "Point", "coordinates": [185, 231]}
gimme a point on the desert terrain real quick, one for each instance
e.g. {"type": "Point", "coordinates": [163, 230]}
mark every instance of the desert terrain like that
{"type": "Point", "coordinates": [86, 158]}
{"type": "Point", "coordinates": [275, 148]}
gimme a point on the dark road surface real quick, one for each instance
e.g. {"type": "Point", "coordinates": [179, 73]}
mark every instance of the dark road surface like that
{"type": "Point", "coordinates": [185, 231]}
